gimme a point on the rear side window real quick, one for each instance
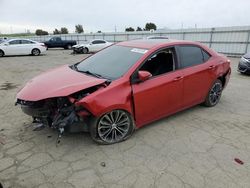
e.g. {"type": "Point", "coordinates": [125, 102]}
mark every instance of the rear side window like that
{"type": "Point", "coordinates": [190, 56]}
{"type": "Point", "coordinates": [98, 42]}
{"type": "Point", "coordinates": [27, 42]}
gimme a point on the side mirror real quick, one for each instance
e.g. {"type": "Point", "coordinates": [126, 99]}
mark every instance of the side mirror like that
{"type": "Point", "coordinates": [144, 75]}
{"type": "Point", "coordinates": [6, 44]}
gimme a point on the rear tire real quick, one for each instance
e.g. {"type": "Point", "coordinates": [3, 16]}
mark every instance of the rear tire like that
{"type": "Point", "coordinates": [35, 52]}
{"type": "Point", "coordinates": [1, 53]}
{"type": "Point", "coordinates": [214, 94]}
{"type": "Point", "coordinates": [112, 127]}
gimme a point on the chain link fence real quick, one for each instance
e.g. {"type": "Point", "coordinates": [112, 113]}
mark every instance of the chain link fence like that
{"type": "Point", "coordinates": [228, 40]}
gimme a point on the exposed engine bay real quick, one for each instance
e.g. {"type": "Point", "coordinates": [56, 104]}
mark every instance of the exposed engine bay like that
{"type": "Point", "coordinates": [60, 113]}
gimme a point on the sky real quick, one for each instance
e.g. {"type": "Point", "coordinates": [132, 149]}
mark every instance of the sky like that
{"type": "Point", "coordinates": [109, 15]}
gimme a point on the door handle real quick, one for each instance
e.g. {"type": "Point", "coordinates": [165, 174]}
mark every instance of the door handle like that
{"type": "Point", "coordinates": [211, 67]}
{"type": "Point", "coordinates": [178, 78]}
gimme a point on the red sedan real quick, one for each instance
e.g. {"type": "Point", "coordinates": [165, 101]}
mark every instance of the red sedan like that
{"type": "Point", "coordinates": [125, 87]}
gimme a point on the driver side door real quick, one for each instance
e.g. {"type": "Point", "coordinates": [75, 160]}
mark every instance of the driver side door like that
{"type": "Point", "coordinates": [160, 95]}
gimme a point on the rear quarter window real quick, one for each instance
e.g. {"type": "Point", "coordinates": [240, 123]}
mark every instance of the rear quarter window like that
{"type": "Point", "coordinates": [206, 56]}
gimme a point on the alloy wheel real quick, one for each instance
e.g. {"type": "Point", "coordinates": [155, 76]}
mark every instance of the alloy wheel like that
{"type": "Point", "coordinates": [215, 93]}
{"type": "Point", "coordinates": [114, 126]}
{"type": "Point", "coordinates": [35, 52]}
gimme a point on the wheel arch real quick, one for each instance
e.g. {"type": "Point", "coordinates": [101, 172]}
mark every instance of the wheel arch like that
{"type": "Point", "coordinates": [110, 108]}
{"type": "Point", "coordinates": [2, 51]}
{"type": "Point", "coordinates": [35, 49]}
{"type": "Point", "coordinates": [223, 78]}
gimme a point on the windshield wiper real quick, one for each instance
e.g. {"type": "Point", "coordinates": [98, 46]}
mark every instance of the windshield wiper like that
{"type": "Point", "coordinates": [74, 67]}
{"type": "Point", "coordinates": [91, 73]}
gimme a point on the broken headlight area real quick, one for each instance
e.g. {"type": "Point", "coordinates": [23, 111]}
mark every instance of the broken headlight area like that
{"type": "Point", "coordinates": [58, 113]}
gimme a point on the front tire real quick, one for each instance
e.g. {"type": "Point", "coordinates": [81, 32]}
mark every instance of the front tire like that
{"type": "Point", "coordinates": [214, 94]}
{"type": "Point", "coordinates": [35, 52]}
{"type": "Point", "coordinates": [85, 50]}
{"type": "Point", "coordinates": [113, 127]}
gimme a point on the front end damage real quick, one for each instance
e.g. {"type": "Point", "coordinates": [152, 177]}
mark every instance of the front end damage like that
{"type": "Point", "coordinates": [60, 113]}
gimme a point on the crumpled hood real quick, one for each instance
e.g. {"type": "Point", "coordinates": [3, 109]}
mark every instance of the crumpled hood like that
{"type": "Point", "coordinates": [80, 45]}
{"type": "Point", "coordinates": [58, 82]}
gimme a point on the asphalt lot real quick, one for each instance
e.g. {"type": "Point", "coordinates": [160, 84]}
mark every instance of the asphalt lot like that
{"type": "Point", "coordinates": [194, 148]}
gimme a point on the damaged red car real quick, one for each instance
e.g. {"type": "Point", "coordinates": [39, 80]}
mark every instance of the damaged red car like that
{"type": "Point", "coordinates": [125, 87]}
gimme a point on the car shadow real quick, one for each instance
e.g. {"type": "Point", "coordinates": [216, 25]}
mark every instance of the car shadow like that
{"type": "Point", "coordinates": [22, 56]}
{"type": "Point", "coordinates": [166, 119]}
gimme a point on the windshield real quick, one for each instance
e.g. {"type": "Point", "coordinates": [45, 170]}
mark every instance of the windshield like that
{"type": "Point", "coordinates": [112, 62]}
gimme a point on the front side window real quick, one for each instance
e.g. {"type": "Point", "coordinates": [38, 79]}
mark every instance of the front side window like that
{"type": "Point", "coordinates": [13, 42]}
{"type": "Point", "coordinates": [112, 62]}
{"type": "Point", "coordinates": [190, 56]}
{"type": "Point", "coordinates": [161, 62]}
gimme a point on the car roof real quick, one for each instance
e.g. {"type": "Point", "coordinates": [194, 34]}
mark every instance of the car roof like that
{"type": "Point", "coordinates": [152, 43]}
{"type": "Point", "coordinates": [19, 39]}
{"type": "Point", "coordinates": [97, 39]}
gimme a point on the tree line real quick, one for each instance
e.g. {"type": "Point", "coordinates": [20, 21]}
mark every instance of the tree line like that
{"type": "Point", "coordinates": [148, 27]}
{"type": "Point", "coordinates": [79, 29]}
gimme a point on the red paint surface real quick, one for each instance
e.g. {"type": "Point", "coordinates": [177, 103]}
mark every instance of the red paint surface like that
{"type": "Point", "coordinates": [61, 81]}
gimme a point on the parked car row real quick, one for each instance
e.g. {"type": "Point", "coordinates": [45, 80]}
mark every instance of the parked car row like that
{"type": "Point", "coordinates": [30, 47]}
{"type": "Point", "coordinates": [27, 47]}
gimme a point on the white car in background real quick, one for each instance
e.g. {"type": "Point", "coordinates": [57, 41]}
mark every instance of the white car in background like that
{"type": "Point", "coordinates": [21, 47]}
{"type": "Point", "coordinates": [92, 46]}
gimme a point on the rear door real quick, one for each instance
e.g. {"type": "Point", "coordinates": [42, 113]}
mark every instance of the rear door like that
{"type": "Point", "coordinates": [162, 93]}
{"type": "Point", "coordinates": [27, 46]}
{"type": "Point", "coordinates": [198, 71]}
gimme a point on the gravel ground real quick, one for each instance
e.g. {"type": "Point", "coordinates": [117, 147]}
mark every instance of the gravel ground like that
{"type": "Point", "coordinates": [194, 148]}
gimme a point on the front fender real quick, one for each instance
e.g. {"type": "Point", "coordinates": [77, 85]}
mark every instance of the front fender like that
{"type": "Point", "coordinates": [118, 96]}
